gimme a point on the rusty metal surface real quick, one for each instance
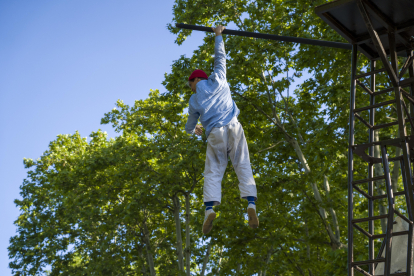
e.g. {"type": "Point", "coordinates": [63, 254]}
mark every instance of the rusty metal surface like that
{"type": "Point", "coordinates": [345, 17]}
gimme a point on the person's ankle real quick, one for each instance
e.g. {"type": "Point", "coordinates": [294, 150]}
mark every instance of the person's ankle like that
{"type": "Point", "coordinates": [251, 200]}
{"type": "Point", "coordinates": [209, 205]}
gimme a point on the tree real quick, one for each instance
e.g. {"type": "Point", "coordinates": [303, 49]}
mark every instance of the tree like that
{"type": "Point", "coordinates": [111, 207]}
{"type": "Point", "coordinates": [133, 205]}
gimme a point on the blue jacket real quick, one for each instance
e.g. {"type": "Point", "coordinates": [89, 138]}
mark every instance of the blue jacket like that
{"type": "Point", "coordinates": [212, 103]}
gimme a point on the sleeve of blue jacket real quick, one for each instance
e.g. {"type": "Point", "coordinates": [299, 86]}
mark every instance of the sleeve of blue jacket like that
{"type": "Point", "coordinates": [192, 120]}
{"type": "Point", "coordinates": [219, 59]}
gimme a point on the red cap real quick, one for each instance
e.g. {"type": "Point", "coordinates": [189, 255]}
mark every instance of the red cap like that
{"type": "Point", "coordinates": [198, 74]}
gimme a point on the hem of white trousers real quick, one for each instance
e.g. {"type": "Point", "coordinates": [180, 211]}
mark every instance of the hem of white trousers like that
{"type": "Point", "coordinates": [216, 201]}
{"type": "Point", "coordinates": [245, 197]}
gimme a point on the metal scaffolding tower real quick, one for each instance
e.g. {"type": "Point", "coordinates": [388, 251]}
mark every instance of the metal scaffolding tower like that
{"type": "Point", "coordinates": [381, 30]}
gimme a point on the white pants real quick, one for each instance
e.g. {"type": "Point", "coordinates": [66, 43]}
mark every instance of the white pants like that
{"type": "Point", "coordinates": [223, 142]}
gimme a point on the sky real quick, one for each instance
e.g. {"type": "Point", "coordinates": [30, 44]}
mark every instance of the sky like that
{"type": "Point", "coordinates": [63, 64]}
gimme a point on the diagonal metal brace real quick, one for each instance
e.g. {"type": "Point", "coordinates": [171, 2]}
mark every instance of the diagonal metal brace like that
{"type": "Point", "coordinates": [363, 121]}
{"type": "Point", "coordinates": [364, 87]}
{"type": "Point", "coordinates": [385, 21]}
{"type": "Point", "coordinates": [378, 45]}
{"type": "Point", "coordinates": [407, 95]}
{"type": "Point", "coordinates": [406, 65]}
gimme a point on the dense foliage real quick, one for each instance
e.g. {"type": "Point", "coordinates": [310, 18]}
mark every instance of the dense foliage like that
{"type": "Point", "coordinates": [133, 205]}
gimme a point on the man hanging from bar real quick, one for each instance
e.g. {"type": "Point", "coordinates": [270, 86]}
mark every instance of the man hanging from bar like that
{"type": "Point", "coordinates": [213, 105]}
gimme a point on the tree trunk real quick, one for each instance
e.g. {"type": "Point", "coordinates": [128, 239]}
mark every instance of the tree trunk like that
{"type": "Point", "coordinates": [180, 256]}
{"type": "Point", "coordinates": [269, 254]}
{"type": "Point", "coordinates": [149, 252]}
{"type": "Point", "coordinates": [336, 243]}
{"type": "Point", "coordinates": [187, 234]}
{"type": "Point", "coordinates": [379, 183]}
{"type": "Point", "coordinates": [396, 169]}
{"type": "Point", "coordinates": [219, 264]}
{"type": "Point", "coordinates": [299, 153]}
{"type": "Point", "coordinates": [396, 172]}
{"type": "Point", "coordinates": [331, 210]}
{"type": "Point", "coordinates": [238, 268]}
{"type": "Point", "coordinates": [307, 240]}
{"type": "Point", "coordinates": [143, 269]}
{"type": "Point", "coordinates": [308, 253]}
{"type": "Point", "coordinates": [206, 257]}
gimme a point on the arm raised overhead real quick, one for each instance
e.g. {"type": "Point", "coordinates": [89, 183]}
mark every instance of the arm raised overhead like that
{"type": "Point", "coordinates": [219, 54]}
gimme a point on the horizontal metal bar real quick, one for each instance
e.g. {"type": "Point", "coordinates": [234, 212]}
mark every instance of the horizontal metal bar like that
{"type": "Point", "coordinates": [368, 180]}
{"type": "Point", "coordinates": [380, 143]}
{"type": "Point", "coordinates": [407, 120]}
{"type": "Point", "coordinates": [394, 234]}
{"type": "Point", "coordinates": [374, 106]}
{"type": "Point", "coordinates": [379, 260]}
{"type": "Point", "coordinates": [384, 91]}
{"type": "Point", "coordinates": [384, 125]}
{"type": "Point", "coordinates": [385, 195]}
{"type": "Point", "coordinates": [370, 73]}
{"type": "Point", "coordinates": [397, 158]}
{"type": "Point", "coordinates": [379, 197]}
{"type": "Point", "coordinates": [401, 233]}
{"type": "Point", "coordinates": [406, 82]}
{"type": "Point", "coordinates": [395, 274]}
{"type": "Point", "coordinates": [300, 40]}
{"type": "Point", "coordinates": [369, 219]}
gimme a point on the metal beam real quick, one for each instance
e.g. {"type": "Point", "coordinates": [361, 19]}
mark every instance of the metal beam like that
{"type": "Point", "coordinates": [386, 22]}
{"type": "Point", "coordinates": [407, 82]}
{"type": "Point", "coordinates": [411, 75]}
{"type": "Point", "coordinates": [409, 265]}
{"type": "Point", "coordinates": [408, 62]}
{"type": "Point", "coordinates": [342, 30]}
{"type": "Point", "coordinates": [354, 59]}
{"type": "Point", "coordinates": [299, 40]}
{"type": "Point", "coordinates": [402, 129]}
{"type": "Point", "coordinates": [378, 44]}
{"type": "Point", "coordinates": [391, 206]}
{"type": "Point", "coordinates": [371, 227]}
